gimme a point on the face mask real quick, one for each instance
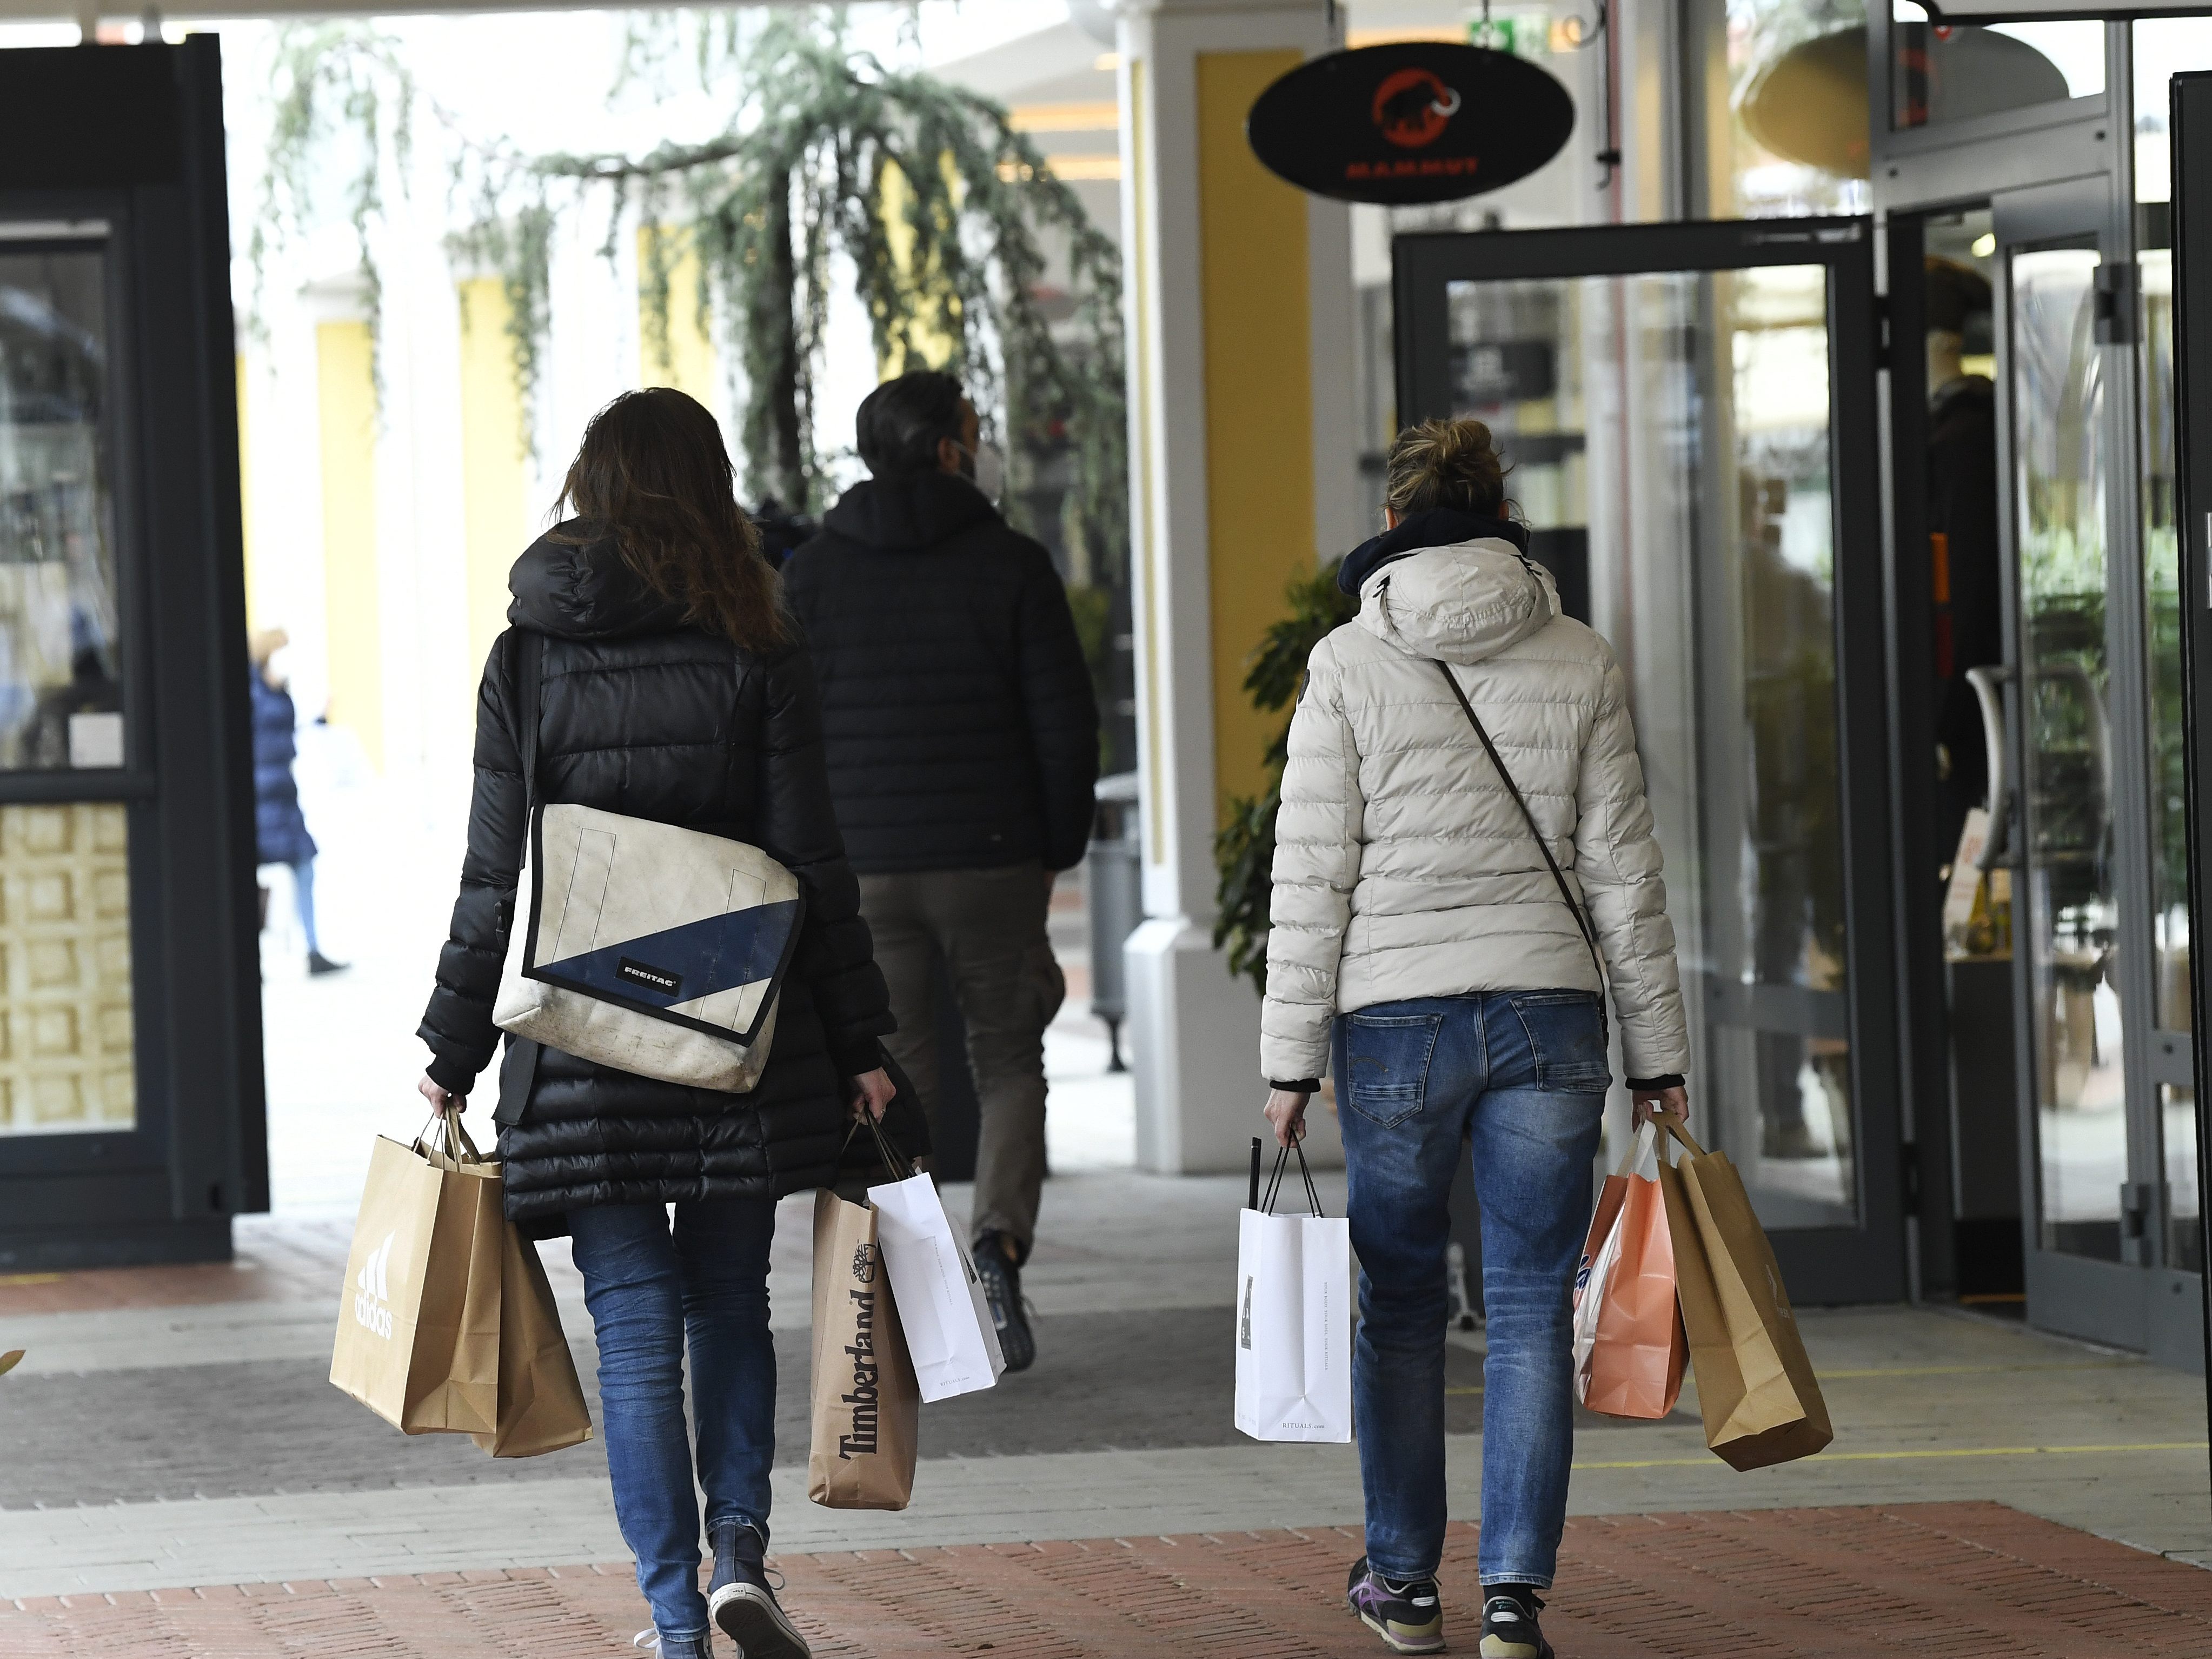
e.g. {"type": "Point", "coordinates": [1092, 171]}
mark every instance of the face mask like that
{"type": "Point", "coordinates": [986, 469]}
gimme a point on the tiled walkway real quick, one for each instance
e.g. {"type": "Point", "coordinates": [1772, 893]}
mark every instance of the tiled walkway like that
{"type": "Point", "coordinates": [1962, 1580]}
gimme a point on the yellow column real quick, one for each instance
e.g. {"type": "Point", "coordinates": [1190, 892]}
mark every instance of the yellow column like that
{"type": "Point", "coordinates": [346, 406]}
{"type": "Point", "coordinates": [687, 362]}
{"type": "Point", "coordinates": [495, 474]}
{"type": "Point", "coordinates": [1259, 397]}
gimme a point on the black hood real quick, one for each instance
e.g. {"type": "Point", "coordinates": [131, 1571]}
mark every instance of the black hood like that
{"type": "Point", "coordinates": [912, 509]}
{"type": "Point", "coordinates": [1440, 527]}
{"type": "Point", "coordinates": [572, 583]}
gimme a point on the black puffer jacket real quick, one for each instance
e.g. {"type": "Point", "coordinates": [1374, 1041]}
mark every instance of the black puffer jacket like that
{"type": "Point", "coordinates": [640, 714]}
{"type": "Point", "coordinates": [961, 727]}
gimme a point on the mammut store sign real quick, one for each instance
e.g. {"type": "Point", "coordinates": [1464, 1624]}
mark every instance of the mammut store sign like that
{"type": "Point", "coordinates": [1418, 121]}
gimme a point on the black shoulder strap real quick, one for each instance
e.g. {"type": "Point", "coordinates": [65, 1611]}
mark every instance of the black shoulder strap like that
{"type": "Point", "coordinates": [1581, 921]}
{"type": "Point", "coordinates": [529, 673]}
{"type": "Point", "coordinates": [518, 1072]}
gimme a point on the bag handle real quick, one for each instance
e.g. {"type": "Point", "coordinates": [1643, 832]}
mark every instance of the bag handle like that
{"type": "Point", "coordinates": [1582, 923]}
{"type": "Point", "coordinates": [895, 1158]}
{"type": "Point", "coordinates": [1282, 1162]}
{"type": "Point", "coordinates": [529, 675]}
{"type": "Point", "coordinates": [1672, 1124]}
{"type": "Point", "coordinates": [450, 1146]}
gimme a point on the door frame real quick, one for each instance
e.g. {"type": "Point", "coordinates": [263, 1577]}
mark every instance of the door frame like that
{"type": "Point", "coordinates": [2192, 131]}
{"type": "Point", "coordinates": [1864, 1262]}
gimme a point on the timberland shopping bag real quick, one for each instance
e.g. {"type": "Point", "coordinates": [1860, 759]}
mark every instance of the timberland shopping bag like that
{"type": "Point", "coordinates": [541, 1402]}
{"type": "Point", "coordinates": [1755, 1386]}
{"type": "Point", "coordinates": [865, 1403]}
{"type": "Point", "coordinates": [1629, 1345]}
{"type": "Point", "coordinates": [1293, 1317]}
{"type": "Point", "coordinates": [641, 945]}
{"type": "Point", "coordinates": [418, 1331]}
{"type": "Point", "coordinates": [950, 1336]}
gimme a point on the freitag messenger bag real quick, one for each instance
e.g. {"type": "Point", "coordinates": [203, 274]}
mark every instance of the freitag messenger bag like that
{"type": "Point", "coordinates": [640, 946]}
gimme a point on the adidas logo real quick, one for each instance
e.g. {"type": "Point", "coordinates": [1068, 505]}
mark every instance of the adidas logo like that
{"type": "Point", "coordinates": [371, 1308]}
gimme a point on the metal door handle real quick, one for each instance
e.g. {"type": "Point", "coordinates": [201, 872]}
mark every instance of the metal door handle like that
{"type": "Point", "coordinates": [1985, 682]}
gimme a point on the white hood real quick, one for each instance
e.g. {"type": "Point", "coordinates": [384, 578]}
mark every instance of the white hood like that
{"type": "Point", "coordinates": [1463, 602]}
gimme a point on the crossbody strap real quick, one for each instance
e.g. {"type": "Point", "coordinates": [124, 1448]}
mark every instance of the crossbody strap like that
{"type": "Point", "coordinates": [519, 1071]}
{"type": "Point", "coordinates": [1574, 907]}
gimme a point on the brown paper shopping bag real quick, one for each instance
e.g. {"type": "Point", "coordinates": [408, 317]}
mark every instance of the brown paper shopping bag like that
{"type": "Point", "coordinates": [541, 1402]}
{"type": "Point", "coordinates": [867, 1405]}
{"type": "Point", "coordinates": [1761, 1402]}
{"type": "Point", "coordinates": [419, 1317]}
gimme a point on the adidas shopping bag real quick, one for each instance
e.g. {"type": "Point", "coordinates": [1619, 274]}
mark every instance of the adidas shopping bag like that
{"type": "Point", "coordinates": [418, 1329]}
{"type": "Point", "coordinates": [648, 948]}
{"type": "Point", "coordinates": [1293, 1316]}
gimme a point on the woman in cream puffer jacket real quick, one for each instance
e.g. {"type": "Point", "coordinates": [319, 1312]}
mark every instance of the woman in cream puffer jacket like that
{"type": "Point", "coordinates": [1425, 954]}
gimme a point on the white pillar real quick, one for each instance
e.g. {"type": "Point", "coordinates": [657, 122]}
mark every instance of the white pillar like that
{"type": "Point", "coordinates": [1243, 440]}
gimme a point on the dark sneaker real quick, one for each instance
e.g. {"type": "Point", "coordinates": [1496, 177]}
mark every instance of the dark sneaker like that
{"type": "Point", "coordinates": [1002, 1290]}
{"type": "Point", "coordinates": [742, 1604]}
{"type": "Point", "coordinates": [1407, 1616]}
{"type": "Point", "coordinates": [318, 964]}
{"type": "Point", "coordinates": [1508, 1624]}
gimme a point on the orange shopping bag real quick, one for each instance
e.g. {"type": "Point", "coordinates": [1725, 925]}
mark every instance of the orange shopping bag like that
{"type": "Point", "coordinates": [1630, 1347]}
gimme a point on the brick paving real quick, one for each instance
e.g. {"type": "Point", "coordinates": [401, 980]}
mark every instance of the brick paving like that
{"type": "Point", "coordinates": [1966, 1580]}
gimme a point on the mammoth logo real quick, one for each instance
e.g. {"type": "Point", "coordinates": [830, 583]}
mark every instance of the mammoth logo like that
{"type": "Point", "coordinates": [1412, 107]}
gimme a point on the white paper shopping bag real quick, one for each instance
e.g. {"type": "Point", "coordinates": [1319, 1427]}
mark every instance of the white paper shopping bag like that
{"type": "Point", "coordinates": [1293, 1321]}
{"type": "Point", "coordinates": [949, 1334]}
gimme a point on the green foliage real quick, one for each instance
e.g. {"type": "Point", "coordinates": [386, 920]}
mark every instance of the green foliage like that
{"type": "Point", "coordinates": [1244, 846]}
{"type": "Point", "coordinates": [825, 150]}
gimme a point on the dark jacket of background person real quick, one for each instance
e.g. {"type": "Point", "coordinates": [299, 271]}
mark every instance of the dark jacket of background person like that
{"type": "Point", "coordinates": [643, 715]}
{"type": "Point", "coordinates": [280, 832]}
{"type": "Point", "coordinates": [962, 730]}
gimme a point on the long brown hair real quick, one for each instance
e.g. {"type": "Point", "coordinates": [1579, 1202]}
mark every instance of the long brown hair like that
{"type": "Point", "coordinates": [652, 471]}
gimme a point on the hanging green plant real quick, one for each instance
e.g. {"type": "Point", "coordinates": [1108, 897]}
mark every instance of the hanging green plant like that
{"type": "Point", "coordinates": [939, 209]}
{"type": "Point", "coordinates": [1244, 846]}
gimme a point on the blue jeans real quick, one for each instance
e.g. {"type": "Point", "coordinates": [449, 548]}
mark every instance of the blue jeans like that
{"type": "Point", "coordinates": [647, 1290]}
{"type": "Point", "coordinates": [1523, 1074]}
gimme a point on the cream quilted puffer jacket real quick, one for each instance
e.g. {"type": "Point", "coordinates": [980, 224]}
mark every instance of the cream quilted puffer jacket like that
{"type": "Point", "coordinates": [1402, 866]}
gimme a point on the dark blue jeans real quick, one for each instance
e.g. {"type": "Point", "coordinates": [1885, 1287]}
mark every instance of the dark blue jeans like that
{"type": "Point", "coordinates": [648, 1288]}
{"type": "Point", "coordinates": [1523, 1074]}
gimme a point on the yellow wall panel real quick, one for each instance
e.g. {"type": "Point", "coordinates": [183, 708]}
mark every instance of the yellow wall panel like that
{"type": "Point", "coordinates": [345, 392]}
{"type": "Point", "coordinates": [688, 363]}
{"type": "Point", "coordinates": [1259, 396]}
{"type": "Point", "coordinates": [494, 477]}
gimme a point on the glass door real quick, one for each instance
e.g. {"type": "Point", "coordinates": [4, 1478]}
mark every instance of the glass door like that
{"type": "Point", "coordinates": [1688, 413]}
{"type": "Point", "coordinates": [2084, 917]}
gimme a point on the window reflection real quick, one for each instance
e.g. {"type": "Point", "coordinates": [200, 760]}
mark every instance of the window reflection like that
{"type": "Point", "coordinates": [60, 698]}
{"type": "Point", "coordinates": [1955, 72]}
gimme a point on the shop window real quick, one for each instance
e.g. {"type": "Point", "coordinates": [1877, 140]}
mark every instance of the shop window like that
{"type": "Point", "coordinates": [1942, 72]}
{"type": "Point", "coordinates": [2163, 48]}
{"type": "Point", "coordinates": [1783, 87]}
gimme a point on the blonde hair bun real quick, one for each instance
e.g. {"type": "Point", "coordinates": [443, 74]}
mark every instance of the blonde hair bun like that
{"type": "Point", "coordinates": [1446, 463]}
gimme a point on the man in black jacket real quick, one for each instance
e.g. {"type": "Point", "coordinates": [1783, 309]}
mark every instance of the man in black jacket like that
{"type": "Point", "coordinates": [962, 743]}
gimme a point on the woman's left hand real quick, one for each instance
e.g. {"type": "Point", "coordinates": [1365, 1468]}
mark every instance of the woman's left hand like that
{"type": "Point", "coordinates": [1286, 1110]}
{"type": "Point", "coordinates": [870, 1093]}
{"type": "Point", "coordinates": [437, 1097]}
{"type": "Point", "coordinates": [1675, 1100]}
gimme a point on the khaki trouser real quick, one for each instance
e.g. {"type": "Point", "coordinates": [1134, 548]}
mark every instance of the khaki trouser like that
{"type": "Point", "coordinates": [990, 925]}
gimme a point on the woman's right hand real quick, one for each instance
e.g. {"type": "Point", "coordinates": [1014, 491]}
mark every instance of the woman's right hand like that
{"type": "Point", "coordinates": [439, 1099]}
{"type": "Point", "coordinates": [1286, 1110]}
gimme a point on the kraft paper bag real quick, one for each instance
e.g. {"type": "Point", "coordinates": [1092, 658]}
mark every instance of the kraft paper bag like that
{"type": "Point", "coordinates": [867, 1407]}
{"type": "Point", "coordinates": [1630, 1347]}
{"type": "Point", "coordinates": [1755, 1386]}
{"type": "Point", "coordinates": [541, 1401]}
{"type": "Point", "coordinates": [418, 1328]}
{"type": "Point", "coordinates": [1293, 1321]}
{"type": "Point", "coordinates": [949, 1337]}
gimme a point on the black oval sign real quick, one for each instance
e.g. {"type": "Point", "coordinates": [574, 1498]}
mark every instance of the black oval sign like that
{"type": "Point", "coordinates": [1417, 121]}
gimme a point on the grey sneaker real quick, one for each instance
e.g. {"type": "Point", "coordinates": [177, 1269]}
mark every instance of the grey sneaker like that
{"type": "Point", "coordinates": [742, 1602]}
{"type": "Point", "coordinates": [1408, 1616]}
{"type": "Point", "coordinates": [1508, 1624]}
{"type": "Point", "coordinates": [1002, 1292]}
{"type": "Point", "coordinates": [700, 1646]}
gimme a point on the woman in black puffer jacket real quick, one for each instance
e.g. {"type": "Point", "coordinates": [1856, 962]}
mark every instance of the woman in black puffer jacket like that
{"type": "Point", "coordinates": [673, 688]}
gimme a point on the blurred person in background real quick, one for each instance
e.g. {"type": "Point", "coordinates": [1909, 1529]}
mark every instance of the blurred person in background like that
{"type": "Point", "coordinates": [962, 740]}
{"type": "Point", "coordinates": [280, 830]}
